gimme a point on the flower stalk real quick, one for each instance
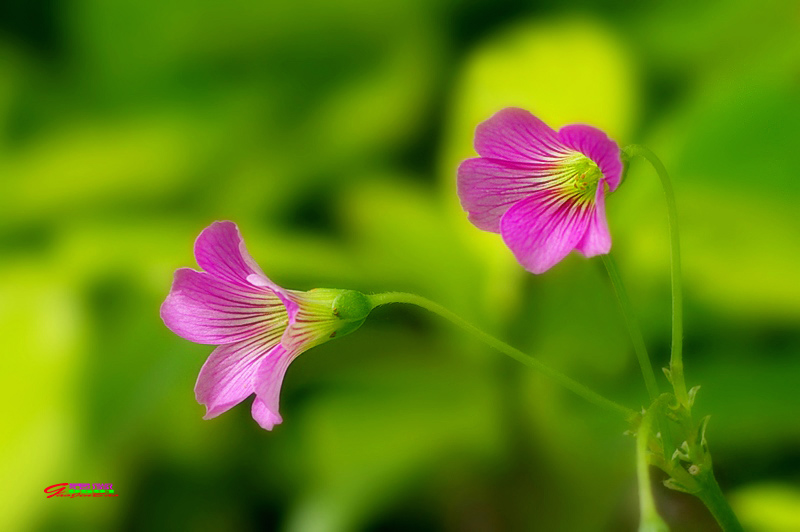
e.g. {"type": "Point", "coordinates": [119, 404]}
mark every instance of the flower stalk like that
{"type": "Point", "coordinates": [633, 327]}
{"type": "Point", "coordinates": [675, 373]}
{"type": "Point", "coordinates": [650, 520]}
{"type": "Point", "coordinates": [516, 354]}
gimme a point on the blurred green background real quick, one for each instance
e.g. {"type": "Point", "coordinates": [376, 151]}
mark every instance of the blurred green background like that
{"type": "Point", "coordinates": [330, 132]}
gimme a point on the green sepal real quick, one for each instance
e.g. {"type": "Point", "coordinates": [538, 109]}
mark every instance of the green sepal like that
{"type": "Point", "coordinates": [351, 308]}
{"type": "Point", "coordinates": [673, 484]}
{"type": "Point", "coordinates": [346, 328]}
{"type": "Point", "coordinates": [702, 432]}
{"type": "Point", "coordinates": [682, 453]}
{"type": "Point", "coordinates": [351, 305]}
{"type": "Point", "coordinates": [692, 393]}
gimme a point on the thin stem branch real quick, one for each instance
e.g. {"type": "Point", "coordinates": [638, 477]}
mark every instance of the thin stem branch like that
{"type": "Point", "coordinates": [633, 327]}
{"type": "Point", "coordinates": [650, 520]}
{"type": "Point", "coordinates": [676, 357]}
{"type": "Point", "coordinates": [516, 354]}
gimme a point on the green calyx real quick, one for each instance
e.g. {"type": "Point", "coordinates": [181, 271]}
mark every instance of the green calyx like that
{"type": "Point", "coordinates": [351, 305]}
{"type": "Point", "coordinates": [351, 308]}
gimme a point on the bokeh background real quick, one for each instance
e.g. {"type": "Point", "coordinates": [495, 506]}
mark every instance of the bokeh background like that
{"type": "Point", "coordinates": [330, 132]}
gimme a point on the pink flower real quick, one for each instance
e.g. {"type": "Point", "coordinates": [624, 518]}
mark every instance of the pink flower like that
{"type": "Point", "coordinates": [259, 326]}
{"type": "Point", "coordinates": [542, 190]}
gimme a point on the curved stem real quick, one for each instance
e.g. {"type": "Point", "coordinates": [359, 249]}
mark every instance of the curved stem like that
{"type": "Point", "coordinates": [516, 354]}
{"type": "Point", "coordinates": [676, 358]}
{"type": "Point", "coordinates": [633, 327]}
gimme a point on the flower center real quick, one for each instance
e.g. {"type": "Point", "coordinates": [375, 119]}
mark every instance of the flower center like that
{"type": "Point", "coordinates": [580, 176]}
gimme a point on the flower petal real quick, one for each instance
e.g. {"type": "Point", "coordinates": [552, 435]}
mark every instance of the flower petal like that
{"type": "Point", "coordinates": [489, 187]}
{"type": "Point", "coordinates": [596, 145]}
{"type": "Point", "coordinates": [268, 381]}
{"type": "Point", "coordinates": [514, 134]}
{"type": "Point", "coordinates": [265, 417]}
{"type": "Point", "coordinates": [203, 309]}
{"type": "Point", "coordinates": [228, 375]}
{"type": "Point", "coordinates": [543, 228]}
{"type": "Point", "coordinates": [220, 251]}
{"type": "Point", "coordinates": [597, 239]}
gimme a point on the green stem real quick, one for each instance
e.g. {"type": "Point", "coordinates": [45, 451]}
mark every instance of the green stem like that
{"type": "Point", "coordinates": [676, 358]}
{"type": "Point", "coordinates": [712, 497]}
{"type": "Point", "coordinates": [516, 354]}
{"type": "Point", "coordinates": [650, 520]}
{"type": "Point", "coordinates": [633, 327]}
